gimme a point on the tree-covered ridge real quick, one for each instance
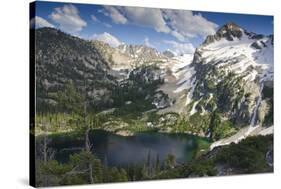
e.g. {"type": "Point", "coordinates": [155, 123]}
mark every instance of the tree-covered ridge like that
{"type": "Point", "coordinates": [129, 117]}
{"type": "Point", "coordinates": [62, 58]}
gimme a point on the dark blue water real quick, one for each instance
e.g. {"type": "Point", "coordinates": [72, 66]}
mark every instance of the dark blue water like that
{"type": "Point", "coordinates": [115, 150]}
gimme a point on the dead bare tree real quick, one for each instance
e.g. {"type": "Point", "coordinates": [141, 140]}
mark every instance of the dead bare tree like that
{"type": "Point", "coordinates": [47, 153]}
{"type": "Point", "coordinates": [87, 127]}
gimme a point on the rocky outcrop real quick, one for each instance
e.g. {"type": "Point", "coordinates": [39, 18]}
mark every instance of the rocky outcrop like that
{"type": "Point", "coordinates": [161, 100]}
{"type": "Point", "coordinates": [258, 45]}
{"type": "Point", "coordinates": [140, 52]}
{"type": "Point", "coordinates": [168, 54]}
{"type": "Point", "coordinates": [228, 31]}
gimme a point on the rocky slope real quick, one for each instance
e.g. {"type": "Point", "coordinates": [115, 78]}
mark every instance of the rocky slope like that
{"type": "Point", "coordinates": [234, 77]}
{"type": "Point", "coordinates": [129, 56]}
{"type": "Point", "coordinates": [231, 72]}
{"type": "Point", "coordinates": [141, 53]}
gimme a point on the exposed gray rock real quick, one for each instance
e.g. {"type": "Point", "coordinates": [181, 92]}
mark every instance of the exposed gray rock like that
{"type": "Point", "coordinates": [168, 53]}
{"type": "Point", "coordinates": [263, 110]}
{"type": "Point", "coordinates": [269, 157]}
{"type": "Point", "coordinates": [161, 100]}
{"type": "Point", "coordinates": [140, 52]}
{"type": "Point", "coordinates": [228, 31]}
{"type": "Point", "coordinates": [258, 45]}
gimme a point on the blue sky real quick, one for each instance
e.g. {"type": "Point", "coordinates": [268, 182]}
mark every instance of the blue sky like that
{"type": "Point", "coordinates": [177, 30]}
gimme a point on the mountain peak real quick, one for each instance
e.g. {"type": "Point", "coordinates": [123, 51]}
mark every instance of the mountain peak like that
{"type": "Point", "coordinates": [229, 31]}
{"type": "Point", "coordinates": [230, 26]}
{"type": "Point", "coordinates": [168, 53]}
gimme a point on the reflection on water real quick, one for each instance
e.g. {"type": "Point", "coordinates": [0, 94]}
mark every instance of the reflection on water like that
{"type": "Point", "coordinates": [115, 150]}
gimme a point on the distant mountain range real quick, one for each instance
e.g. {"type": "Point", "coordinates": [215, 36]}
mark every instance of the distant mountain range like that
{"type": "Point", "coordinates": [128, 56]}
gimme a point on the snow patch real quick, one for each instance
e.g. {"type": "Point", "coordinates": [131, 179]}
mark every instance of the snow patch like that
{"type": "Point", "coordinates": [193, 110]}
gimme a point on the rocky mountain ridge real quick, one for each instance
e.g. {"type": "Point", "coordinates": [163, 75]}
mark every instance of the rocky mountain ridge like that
{"type": "Point", "coordinates": [232, 69]}
{"type": "Point", "coordinates": [129, 56]}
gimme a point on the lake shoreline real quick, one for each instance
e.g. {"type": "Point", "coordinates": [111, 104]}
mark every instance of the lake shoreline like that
{"type": "Point", "coordinates": [183, 146]}
{"type": "Point", "coordinates": [120, 132]}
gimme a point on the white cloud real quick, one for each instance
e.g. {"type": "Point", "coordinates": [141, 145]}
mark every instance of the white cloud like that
{"type": "Point", "coordinates": [68, 19]}
{"type": "Point", "coordinates": [181, 24]}
{"type": "Point", "coordinates": [189, 25]}
{"type": "Point", "coordinates": [180, 48]}
{"type": "Point", "coordinates": [147, 43]}
{"type": "Point", "coordinates": [107, 25]}
{"type": "Point", "coordinates": [146, 17]}
{"type": "Point", "coordinates": [177, 35]}
{"type": "Point", "coordinates": [39, 22]}
{"type": "Point", "coordinates": [94, 18]}
{"type": "Point", "coordinates": [139, 16]}
{"type": "Point", "coordinates": [115, 15]}
{"type": "Point", "coordinates": [107, 38]}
